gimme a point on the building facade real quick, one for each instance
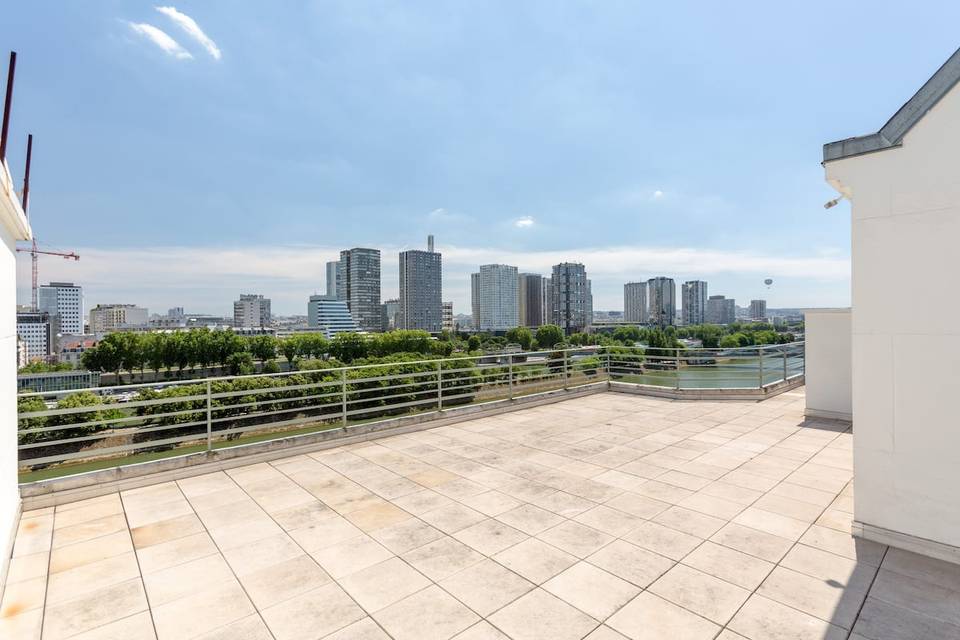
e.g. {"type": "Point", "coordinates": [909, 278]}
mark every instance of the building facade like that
{"type": "Point", "coordinates": [662, 301]}
{"type": "Point", "coordinates": [498, 297]}
{"type": "Point", "coordinates": [571, 300]}
{"type": "Point", "coordinates": [421, 294]}
{"type": "Point", "coordinates": [112, 317]}
{"type": "Point", "coordinates": [475, 300]}
{"type": "Point", "coordinates": [329, 316]}
{"type": "Point", "coordinates": [332, 267]}
{"type": "Point", "coordinates": [530, 295]}
{"type": "Point", "coordinates": [389, 312]}
{"type": "Point", "coordinates": [38, 330]}
{"type": "Point", "coordinates": [635, 302]}
{"type": "Point", "coordinates": [758, 310]}
{"type": "Point", "coordinates": [251, 310]}
{"type": "Point", "coordinates": [447, 323]}
{"type": "Point", "coordinates": [358, 284]}
{"type": "Point", "coordinates": [63, 299]}
{"type": "Point", "coordinates": [693, 302]}
{"type": "Point", "coordinates": [721, 310]}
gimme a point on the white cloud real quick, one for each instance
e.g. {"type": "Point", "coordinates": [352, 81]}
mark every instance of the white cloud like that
{"type": "Point", "coordinates": [657, 195]}
{"type": "Point", "coordinates": [192, 29]}
{"type": "Point", "coordinates": [160, 38]}
{"type": "Point", "coordinates": [523, 222]}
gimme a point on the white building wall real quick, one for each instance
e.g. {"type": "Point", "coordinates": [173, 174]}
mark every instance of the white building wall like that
{"type": "Point", "coordinates": [828, 376]}
{"type": "Point", "coordinates": [905, 225]}
{"type": "Point", "coordinates": [13, 227]}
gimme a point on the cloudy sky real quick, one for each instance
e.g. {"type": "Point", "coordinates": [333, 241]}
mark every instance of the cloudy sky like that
{"type": "Point", "coordinates": [193, 152]}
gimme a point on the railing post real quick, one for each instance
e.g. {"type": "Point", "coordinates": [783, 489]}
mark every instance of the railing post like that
{"type": "Point", "coordinates": [439, 385]}
{"type": "Point", "coordinates": [343, 398]}
{"type": "Point", "coordinates": [676, 363]}
{"type": "Point", "coordinates": [760, 365]}
{"type": "Point", "coordinates": [565, 371]}
{"type": "Point", "coordinates": [510, 375]}
{"type": "Point", "coordinates": [784, 364]}
{"type": "Point", "coordinates": [209, 419]}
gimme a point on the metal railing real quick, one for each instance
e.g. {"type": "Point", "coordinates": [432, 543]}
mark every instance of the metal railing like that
{"type": "Point", "coordinates": [69, 432]}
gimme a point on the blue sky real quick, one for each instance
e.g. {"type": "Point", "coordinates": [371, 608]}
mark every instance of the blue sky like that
{"type": "Point", "coordinates": [678, 139]}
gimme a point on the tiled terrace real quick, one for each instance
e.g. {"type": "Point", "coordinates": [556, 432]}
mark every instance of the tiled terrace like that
{"type": "Point", "coordinates": [603, 517]}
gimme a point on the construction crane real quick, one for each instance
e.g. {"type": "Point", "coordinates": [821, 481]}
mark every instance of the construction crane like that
{"type": "Point", "coordinates": [34, 251]}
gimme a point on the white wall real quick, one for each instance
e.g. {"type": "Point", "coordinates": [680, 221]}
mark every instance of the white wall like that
{"type": "Point", "coordinates": [828, 364]}
{"type": "Point", "coordinates": [13, 226]}
{"type": "Point", "coordinates": [906, 335]}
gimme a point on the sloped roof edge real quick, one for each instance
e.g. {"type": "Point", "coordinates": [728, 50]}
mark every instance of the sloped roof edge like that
{"type": "Point", "coordinates": [892, 133]}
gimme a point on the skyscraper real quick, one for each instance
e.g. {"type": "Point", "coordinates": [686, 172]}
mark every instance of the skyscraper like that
{"type": "Point", "coordinates": [251, 310]}
{"type": "Point", "coordinates": [721, 310]}
{"type": "Point", "coordinates": [758, 310]}
{"type": "Point", "coordinates": [694, 300]}
{"type": "Point", "coordinates": [530, 294]}
{"type": "Point", "coordinates": [329, 316]}
{"type": "Point", "coordinates": [421, 296]}
{"type": "Point", "coordinates": [63, 299]}
{"type": "Point", "coordinates": [635, 302]}
{"type": "Point", "coordinates": [358, 284]}
{"type": "Point", "coordinates": [548, 301]}
{"type": "Point", "coordinates": [475, 300]}
{"type": "Point", "coordinates": [571, 300]}
{"type": "Point", "coordinates": [389, 311]}
{"type": "Point", "coordinates": [332, 267]}
{"type": "Point", "coordinates": [498, 297]}
{"type": "Point", "coordinates": [447, 322]}
{"type": "Point", "coordinates": [662, 300]}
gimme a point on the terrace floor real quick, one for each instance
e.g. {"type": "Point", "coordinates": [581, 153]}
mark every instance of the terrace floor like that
{"type": "Point", "coordinates": [604, 517]}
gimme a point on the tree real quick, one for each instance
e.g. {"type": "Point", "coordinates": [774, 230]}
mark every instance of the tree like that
{"type": "Point", "coordinates": [240, 363]}
{"type": "Point", "coordinates": [289, 347]}
{"type": "Point", "coordinates": [627, 335]}
{"type": "Point", "coordinates": [262, 347]}
{"type": "Point", "coordinates": [270, 366]}
{"type": "Point", "coordinates": [474, 343]}
{"type": "Point", "coordinates": [549, 335]}
{"type": "Point", "coordinates": [348, 346]}
{"type": "Point", "coordinates": [729, 342]}
{"type": "Point", "coordinates": [521, 336]}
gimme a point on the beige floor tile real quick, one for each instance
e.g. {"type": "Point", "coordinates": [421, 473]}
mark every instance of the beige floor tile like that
{"type": "Point", "coordinates": [377, 516]}
{"type": "Point", "coordinates": [844, 544]}
{"type": "Point", "coordinates": [563, 504]}
{"type": "Point", "coordinates": [261, 554]}
{"type": "Point", "coordinates": [219, 498]}
{"type": "Point", "coordinates": [604, 632]}
{"type": "Point", "coordinates": [796, 509]}
{"type": "Point", "coordinates": [351, 556]}
{"type": "Point", "coordinates": [94, 609]}
{"type": "Point", "coordinates": [483, 630]}
{"type": "Point", "coordinates": [764, 619]}
{"type": "Point", "coordinates": [689, 521]}
{"type": "Point", "coordinates": [430, 614]}
{"type": "Point", "coordinates": [772, 523]}
{"type": "Point", "coordinates": [251, 627]}
{"type": "Point", "coordinates": [649, 617]}
{"type": "Point", "coordinates": [27, 567]}
{"type": "Point", "coordinates": [325, 533]}
{"type": "Point", "coordinates": [24, 626]}
{"type": "Point", "coordinates": [630, 562]}
{"type": "Point", "coordinates": [542, 616]}
{"type": "Point", "coordinates": [303, 515]}
{"type": "Point", "coordinates": [283, 580]}
{"type": "Point", "coordinates": [638, 505]}
{"type": "Point", "coordinates": [86, 510]}
{"type": "Point", "coordinates": [73, 583]}
{"type": "Point", "coordinates": [442, 558]}
{"type": "Point", "coordinates": [166, 530]}
{"type": "Point", "coordinates": [490, 536]}
{"type": "Point", "coordinates": [62, 536]}
{"type": "Point", "coordinates": [364, 629]}
{"type": "Point", "coordinates": [314, 614]}
{"type": "Point", "coordinates": [245, 533]}
{"type": "Point", "coordinates": [136, 627]}
{"type": "Point", "coordinates": [177, 551]}
{"type": "Point", "coordinates": [23, 596]}
{"type": "Point", "coordinates": [452, 518]}
{"type": "Point", "coordinates": [150, 512]}
{"type": "Point", "coordinates": [705, 595]}
{"type": "Point", "coordinates": [729, 564]}
{"type": "Point", "coordinates": [186, 579]}
{"type": "Point", "coordinates": [831, 601]}
{"type": "Point", "coordinates": [81, 553]}
{"type": "Point", "coordinates": [712, 506]}
{"type": "Point", "coordinates": [535, 560]}
{"type": "Point", "coordinates": [592, 590]}
{"type": "Point", "coordinates": [663, 540]}
{"type": "Point", "coordinates": [486, 586]}
{"type": "Point", "coordinates": [383, 584]}
{"type": "Point", "coordinates": [612, 521]}
{"type": "Point", "coordinates": [459, 488]}
{"type": "Point", "coordinates": [420, 502]}
{"type": "Point", "coordinates": [753, 542]}
{"type": "Point", "coordinates": [575, 538]}
{"type": "Point", "coordinates": [490, 503]}
{"type": "Point", "coordinates": [406, 536]}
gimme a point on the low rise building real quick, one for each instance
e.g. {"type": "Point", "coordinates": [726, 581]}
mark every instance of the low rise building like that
{"type": "Point", "coordinates": [329, 316]}
{"type": "Point", "coordinates": [38, 330]}
{"type": "Point", "coordinates": [105, 318]}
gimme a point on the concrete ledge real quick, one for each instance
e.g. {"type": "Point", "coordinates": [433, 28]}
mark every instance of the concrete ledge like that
{"type": "Point", "coordinates": [924, 547]}
{"type": "Point", "coordinates": [708, 394]}
{"type": "Point", "coordinates": [823, 414]}
{"type": "Point", "coordinates": [44, 493]}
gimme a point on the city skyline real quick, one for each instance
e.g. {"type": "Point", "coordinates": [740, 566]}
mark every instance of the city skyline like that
{"type": "Point", "coordinates": [588, 138]}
